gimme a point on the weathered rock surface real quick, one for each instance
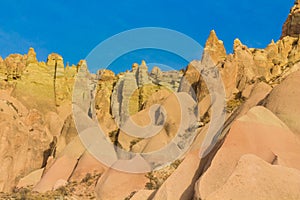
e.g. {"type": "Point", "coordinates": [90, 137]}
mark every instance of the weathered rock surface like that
{"type": "Point", "coordinates": [49, 81]}
{"type": "Point", "coordinates": [24, 138]}
{"type": "Point", "coordinates": [31, 179]}
{"type": "Point", "coordinates": [107, 80]}
{"type": "Point", "coordinates": [143, 194]}
{"type": "Point", "coordinates": [125, 182]}
{"type": "Point", "coordinates": [124, 101]}
{"type": "Point", "coordinates": [142, 76]}
{"type": "Point", "coordinates": [31, 56]}
{"type": "Point", "coordinates": [259, 132]}
{"type": "Point", "coordinates": [169, 80]}
{"type": "Point", "coordinates": [134, 88]}
{"type": "Point", "coordinates": [253, 178]}
{"type": "Point", "coordinates": [2, 71]}
{"type": "Point", "coordinates": [175, 115]}
{"type": "Point", "coordinates": [62, 167]}
{"type": "Point", "coordinates": [215, 48]}
{"type": "Point", "coordinates": [291, 26]}
{"type": "Point", "coordinates": [65, 134]}
{"type": "Point", "coordinates": [284, 101]}
{"type": "Point", "coordinates": [241, 69]}
{"type": "Point", "coordinates": [87, 164]}
{"type": "Point", "coordinates": [180, 184]}
{"type": "Point", "coordinates": [33, 122]}
{"type": "Point", "coordinates": [15, 64]}
{"type": "Point", "coordinates": [40, 146]}
{"type": "Point", "coordinates": [190, 80]}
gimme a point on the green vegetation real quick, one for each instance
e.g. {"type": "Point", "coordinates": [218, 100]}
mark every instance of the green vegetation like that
{"type": "Point", "coordinates": [232, 104]}
{"type": "Point", "coordinates": [157, 178]}
{"type": "Point", "coordinates": [130, 196]}
{"type": "Point", "coordinates": [134, 142]}
{"type": "Point", "coordinates": [73, 190]}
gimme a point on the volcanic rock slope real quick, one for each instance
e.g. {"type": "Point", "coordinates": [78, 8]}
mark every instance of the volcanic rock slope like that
{"type": "Point", "coordinates": [256, 153]}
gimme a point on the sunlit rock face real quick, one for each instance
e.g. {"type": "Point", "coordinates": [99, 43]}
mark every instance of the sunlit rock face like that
{"type": "Point", "coordinates": [134, 88]}
{"type": "Point", "coordinates": [255, 155]}
{"type": "Point", "coordinates": [291, 26]}
{"type": "Point", "coordinates": [35, 113]}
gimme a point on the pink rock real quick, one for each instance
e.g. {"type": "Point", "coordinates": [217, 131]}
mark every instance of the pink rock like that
{"type": "Point", "coordinates": [60, 183]}
{"type": "Point", "coordinates": [116, 185]}
{"type": "Point", "coordinates": [180, 184]}
{"type": "Point", "coordinates": [258, 132]}
{"type": "Point", "coordinates": [253, 178]}
{"type": "Point", "coordinates": [284, 101]}
{"type": "Point", "coordinates": [87, 164]}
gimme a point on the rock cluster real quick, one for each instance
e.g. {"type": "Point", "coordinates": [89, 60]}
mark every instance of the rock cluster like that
{"type": "Point", "coordinates": [142, 77]}
{"type": "Point", "coordinates": [32, 95]}
{"type": "Point", "coordinates": [13, 66]}
{"type": "Point", "coordinates": [134, 88]}
{"type": "Point", "coordinates": [105, 87]}
{"type": "Point", "coordinates": [254, 155]}
{"type": "Point", "coordinates": [168, 79]}
{"type": "Point", "coordinates": [124, 97]}
{"type": "Point", "coordinates": [270, 141]}
{"type": "Point", "coordinates": [240, 70]}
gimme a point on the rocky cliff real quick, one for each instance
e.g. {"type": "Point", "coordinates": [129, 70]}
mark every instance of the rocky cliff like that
{"type": "Point", "coordinates": [139, 85]}
{"type": "Point", "coordinates": [36, 102]}
{"type": "Point", "coordinates": [291, 26]}
{"type": "Point", "coordinates": [255, 154]}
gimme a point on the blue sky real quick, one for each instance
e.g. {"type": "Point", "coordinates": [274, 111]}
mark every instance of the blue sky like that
{"type": "Point", "coordinates": [74, 28]}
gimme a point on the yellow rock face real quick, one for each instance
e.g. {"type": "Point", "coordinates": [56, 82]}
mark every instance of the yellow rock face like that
{"type": "Point", "coordinates": [107, 80]}
{"type": "Point", "coordinates": [215, 48]}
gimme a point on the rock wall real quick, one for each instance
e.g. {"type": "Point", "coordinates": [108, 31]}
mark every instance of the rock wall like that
{"type": "Point", "coordinates": [244, 67]}
{"type": "Point", "coordinates": [40, 145]}
{"type": "Point", "coordinates": [35, 104]}
{"type": "Point", "coordinates": [134, 88]}
{"type": "Point", "coordinates": [291, 26]}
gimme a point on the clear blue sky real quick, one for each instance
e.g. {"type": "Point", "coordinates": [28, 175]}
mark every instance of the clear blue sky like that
{"type": "Point", "coordinates": [74, 28]}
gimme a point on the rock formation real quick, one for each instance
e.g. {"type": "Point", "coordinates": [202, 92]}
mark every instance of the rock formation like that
{"type": "Point", "coordinates": [254, 155]}
{"type": "Point", "coordinates": [30, 114]}
{"type": "Point", "coordinates": [291, 26]}
{"type": "Point", "coordinates": [31, 56]}
{"type": "Point", "coordinates": [134, 88]}
{"type": "Point", "coordinates": [24, 139]}
{"type": "Point", "coordinates": [243, 140]}
{"type": "Point", "coordinates": [105, 88]}
{"type": "Point", "coordinates": [125, 100]}
{"type": "Point", "coordinates": [284, 99]}
{"type": "Point", "coordinates": [167, 79]}
{"type": "Point", "coordinates": [142, 76]}
{"type": "Point", "coordinates": [215, 48]}
{"type": "Point", "coordinates": [253, 178]}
